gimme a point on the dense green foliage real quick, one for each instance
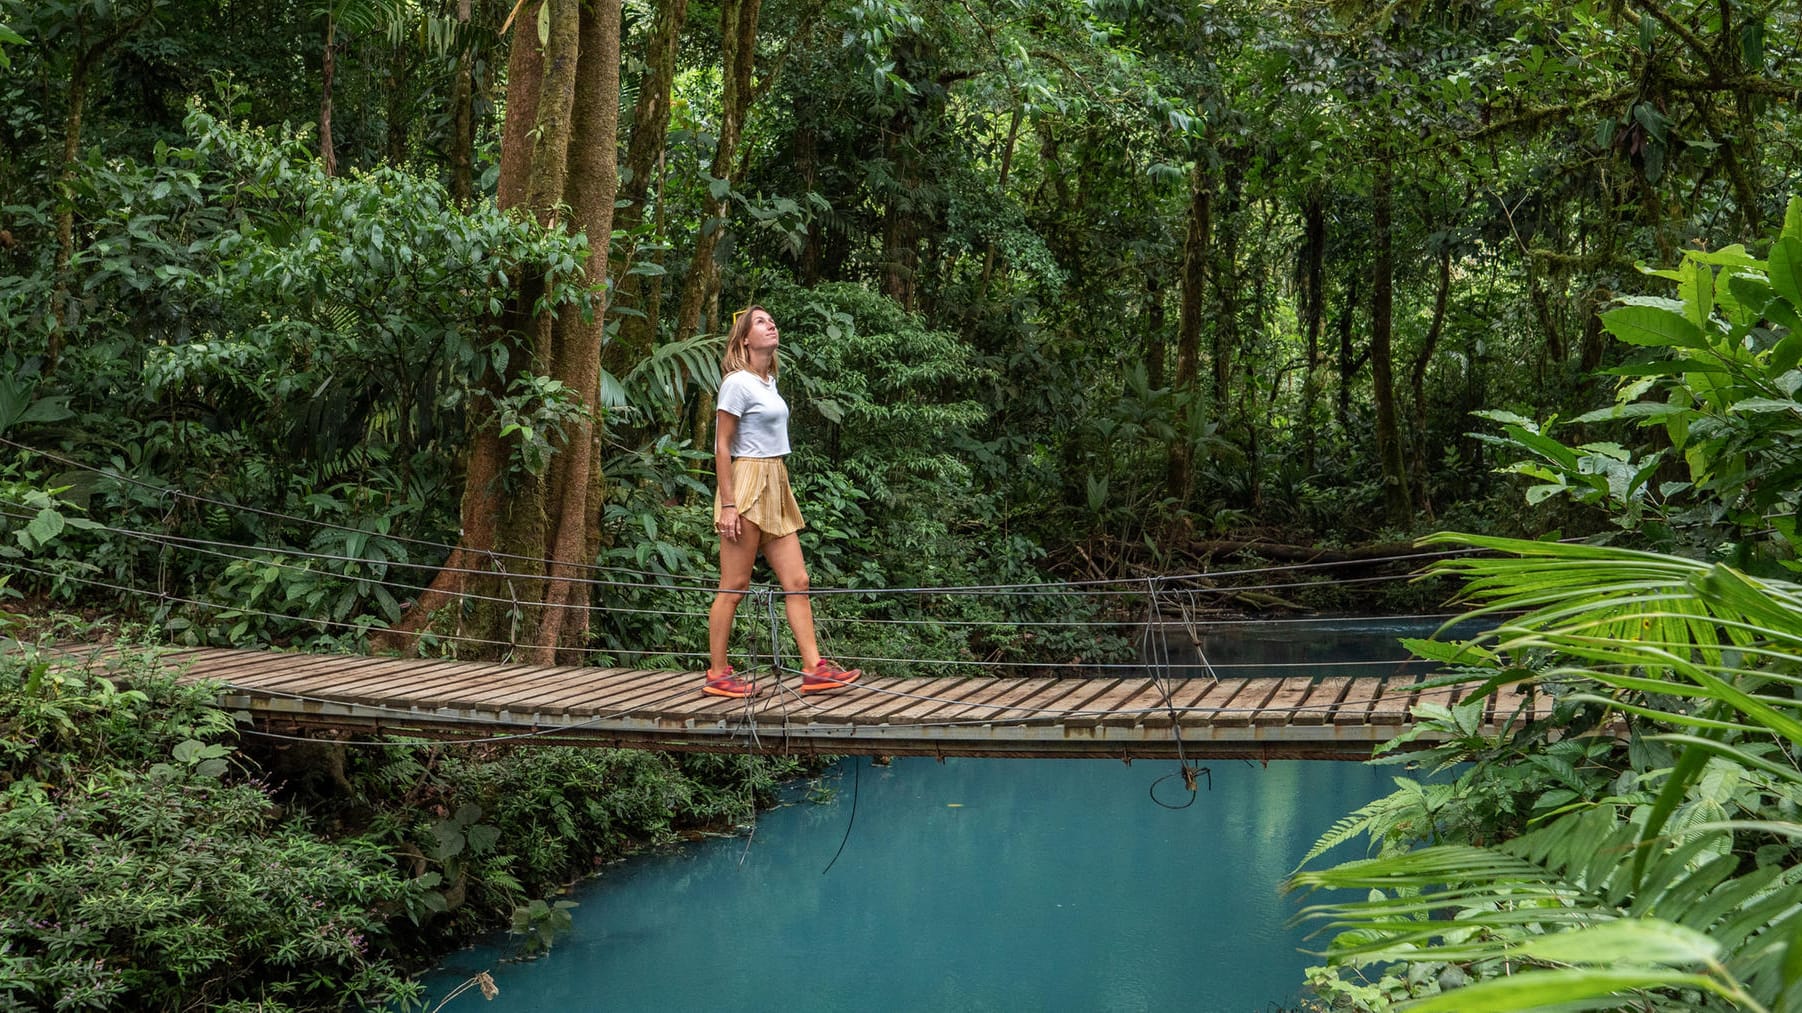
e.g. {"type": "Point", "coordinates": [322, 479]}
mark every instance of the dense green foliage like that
{"type": "Point", "coordinates": [1643, 842]}
{"type": "Point", "coordinates": [1076, 288]}
{"type": "Point", "coordinates": [1138, 232]}
{"type": "Point", "coordinates": [156, 862]}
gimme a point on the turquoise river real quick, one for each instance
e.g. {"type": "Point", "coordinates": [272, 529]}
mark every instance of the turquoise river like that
{"type": "Point", "coordinates": [966, 885]}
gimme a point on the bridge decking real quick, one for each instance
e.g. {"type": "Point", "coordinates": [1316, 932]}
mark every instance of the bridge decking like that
{"type": "Point", "coordinates": [1337, 717]}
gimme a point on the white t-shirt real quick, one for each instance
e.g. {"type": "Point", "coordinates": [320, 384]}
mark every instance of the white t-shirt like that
{"type": "Point", "coordinates": [762, 414]}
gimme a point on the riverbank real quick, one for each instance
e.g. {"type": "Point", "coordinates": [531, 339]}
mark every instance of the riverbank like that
{"type": "Point", "coordinates": [156, 857]}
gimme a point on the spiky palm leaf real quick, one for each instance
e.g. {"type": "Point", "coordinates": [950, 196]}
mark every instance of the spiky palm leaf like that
{"type": "Point", "coordinates": [663, 379]}
{"type": "Point", "coordinates": [1598, 904]}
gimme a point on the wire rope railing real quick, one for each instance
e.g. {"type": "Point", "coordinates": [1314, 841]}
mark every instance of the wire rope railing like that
{"type": "Point", "coordinates": [1109, 626]}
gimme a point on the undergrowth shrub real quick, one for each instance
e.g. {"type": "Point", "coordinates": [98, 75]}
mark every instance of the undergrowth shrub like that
{"type": "Point", "coordinates": [142, 871]}
{"type": "Point", "coordinates": [149, 864]}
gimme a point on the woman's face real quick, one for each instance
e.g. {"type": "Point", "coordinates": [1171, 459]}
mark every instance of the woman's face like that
{"type": "Point", "coordinates": [762, 334]}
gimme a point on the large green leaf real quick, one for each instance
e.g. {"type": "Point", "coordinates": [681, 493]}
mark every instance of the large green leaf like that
{"type": "Point", "coordinates": [1652, 325]}
{"type": "Point", "coordinates": [1530, 990]}
{"type": "Point", "coordinates": [1785, 269]}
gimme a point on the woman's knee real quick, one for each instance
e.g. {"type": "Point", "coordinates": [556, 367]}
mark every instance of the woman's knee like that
{"type": "Point", "coordinates": [735, 586]}
{"type": "Point", "coordinates": [796, 582]}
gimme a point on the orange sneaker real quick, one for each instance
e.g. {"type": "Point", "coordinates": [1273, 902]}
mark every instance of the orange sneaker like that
{"type": "Point", "coordinates": [828, 674]}
{"type": "Point", "coordinates": [727, 684]}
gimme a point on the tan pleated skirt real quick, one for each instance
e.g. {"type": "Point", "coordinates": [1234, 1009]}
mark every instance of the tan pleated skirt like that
{"type": "Point", "coordinates": [763, 495]}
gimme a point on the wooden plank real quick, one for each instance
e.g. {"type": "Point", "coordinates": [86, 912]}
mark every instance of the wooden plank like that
{"type": "Point", "coordinates": [375, 672]}
{"type": "Point", "coordinates": [162, 656]}
{"type": "Point", "coordinates": [1322, 701]}
{"type": "Point", "coordinates": [552, 691]}
{"type": "Point", "coordinates": [904, 697]}
{"type": "Point", "coordinates": [215, 655]}
{"type": "Point", "coordinates": [974, 692]}
{"type": "Point", "coordinates": [1280, 709]}
{"type": "Point", "coordinates": [1096, 710]}
{"type": "Point", "coordinates": [385, 684]}
{"type": "Point", "coordinates": [1187, 696]}
{"type": "Point", "coordinates": [1132, 712]}
{"type": "Point", "coordinates": [706, 709]}
{"type": "Point", "coordinates": [310, 683]}
{"type": "Point", "coordinates": [838, 705]}
{"type": "Point", "coordinates": [982, 705]}
{"type": "Point", "coordinates": [406, 689]}
{"type": "Point", "coordinates": [309, 678]}
{"type": "Point", "coordinates": [1543, 703]}
{"type": "Point", "coordinates": [261, 666]}
{"type": "Point", "coordinates": [691, 704]}
{"type": "Point", "coordinates": [114, 657]}
{"type": "Point", "coordinates": [780, 713]}
{"type": "Point", "coordinates": [1239, 711]}
{"type": "Point", "coordinates": [923, 696]}
{"type": "Point", "coordinates": [1398, 695]}
{"type": "Point", "coordinates": [939, 694]}
{"type": "Point", "coordinates": [1087, 689]}
{"type": "Point", "coordinates": [1511, 705]}
{"type": "Point", "coordinates": [624, 683]}
{"type": "Point", "coordinates": [654, 696]}
{"type": "Point", "coordinates": [1038, 705]}
{"type": "Point", "coordinates": [181, 666]}
{"type": "Point", "coordinates": [1354, 707]}
{"type": "Point", "coordinates": [1084, 704]}
{"type": "Point", "coordinates": [678, 702]}
{"type": "Point", "coordinates": [472, 689]}
{"type": "Point", "coordinates": [256, 668]}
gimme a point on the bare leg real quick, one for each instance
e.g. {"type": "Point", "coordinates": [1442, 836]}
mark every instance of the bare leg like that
{"type": "Point", "coordinates": [784, 556]}
{"type": "Point", "coordinates": [737, 556]}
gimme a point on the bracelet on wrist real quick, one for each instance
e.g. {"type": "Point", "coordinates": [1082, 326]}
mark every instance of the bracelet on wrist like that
{"type": "Point", "coordinates": [733, 506]}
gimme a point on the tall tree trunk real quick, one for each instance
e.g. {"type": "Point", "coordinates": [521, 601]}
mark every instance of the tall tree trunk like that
{"type": "Point", "coordinates": [644, 154]}
{"type": "Point", "coordinates": [1349, 361]}
{"type": "Point", "coordinates": [738, 37]}
{"type": "Point", "coordinates": [900, 219]}
{"type": "Point", "coordinates": [65, 212]}
{"type": "Point", "coordinates": [1226, 283]}
{"type": "Point", "coordinates": [575, 487]}
{"type": "Point", "coordinates": [1390, 452]}
{"type": "Point", "coordinates": [1417, 376]}
{"type": "Point", "coordinates": [1196, 250]}
{"type": "Point", "coordinates": [1007, 164]}
{"type": "Point", "coordinates": [463, 132]}
{"type": "Point", "coordinates": [1155, 349]}
{"type": "Point", "coordinates": [540, 531]}
{"type": "Point", "coordinates": [807, 166]}
{"type": "Point", "coordinates": [328, 71]}
{"type": "Point", "coordinates": [79, 78]}
{"type": "Point", "coordinates": [901, 209]}
{"type": "Point", "coordinates": [463, 120]}
{"type": "Point", "coordinates": [398, 68]}
{"type": "Point", "coordinates": [1313, 300]}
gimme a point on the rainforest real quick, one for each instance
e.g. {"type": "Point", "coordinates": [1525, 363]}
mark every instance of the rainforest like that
{"type": "Point", "coordinates": [395, 327]}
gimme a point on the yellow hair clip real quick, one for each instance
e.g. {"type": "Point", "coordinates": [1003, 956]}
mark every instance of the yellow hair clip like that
{"type": "Point", "coordinates": [737, 314]}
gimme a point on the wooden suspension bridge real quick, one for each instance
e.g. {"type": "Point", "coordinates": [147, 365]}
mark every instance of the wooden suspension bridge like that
{"type": "Point", "coordinates": [1134, 717]}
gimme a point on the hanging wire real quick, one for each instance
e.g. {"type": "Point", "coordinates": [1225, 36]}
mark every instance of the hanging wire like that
{"type": "Point", "coordinates": [1157, 648]}
{"type": "Point", "coordinates": [856, 789]}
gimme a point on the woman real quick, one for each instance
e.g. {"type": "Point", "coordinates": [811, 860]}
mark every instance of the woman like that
{"type": "Point", "coordinates": [753, 508]}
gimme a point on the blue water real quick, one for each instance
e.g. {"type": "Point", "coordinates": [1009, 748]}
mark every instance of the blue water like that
{"type": "Point", "coordinates": [967, 885]}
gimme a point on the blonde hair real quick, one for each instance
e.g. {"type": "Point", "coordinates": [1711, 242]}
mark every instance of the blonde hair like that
{"type": "Point", "coordinates": [737, 357]}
